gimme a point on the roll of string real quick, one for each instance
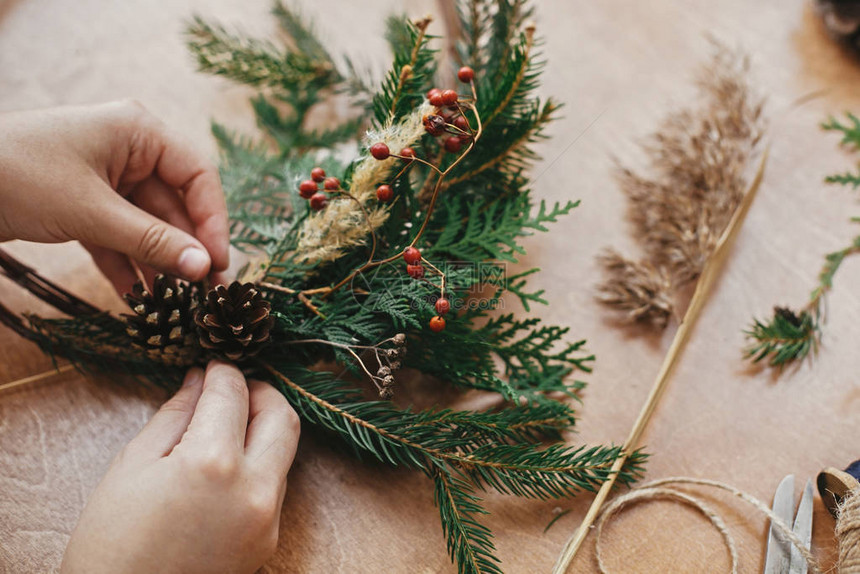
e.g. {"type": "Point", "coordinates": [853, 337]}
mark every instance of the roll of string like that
{"type": "Point", "coordinates": [848, 533]}
{"type": "Point", "coordinates": [660, 490]}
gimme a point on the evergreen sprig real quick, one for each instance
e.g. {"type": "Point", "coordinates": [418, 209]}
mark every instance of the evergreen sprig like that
{"type": "Point", "coordinates": [789, 336]}
{"type": "Point", "coordinates": [468, 218]}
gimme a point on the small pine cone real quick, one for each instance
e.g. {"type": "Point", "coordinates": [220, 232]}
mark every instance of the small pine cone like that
{"type": "Point", "coordinates": [234, 321]}
{"type": "Point", "coordinates": [842, 19]}
{"type": "Point", "coordinates": [162, 322]}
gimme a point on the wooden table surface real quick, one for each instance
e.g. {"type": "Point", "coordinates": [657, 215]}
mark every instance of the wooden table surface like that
{"type": "Point", "coordinates": [619, 66]}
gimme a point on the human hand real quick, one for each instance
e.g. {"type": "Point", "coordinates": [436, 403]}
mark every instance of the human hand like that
{"type": "Point", "coordinates": [119, 181]}
{"type": "Point", "coordinates": [199, 490]}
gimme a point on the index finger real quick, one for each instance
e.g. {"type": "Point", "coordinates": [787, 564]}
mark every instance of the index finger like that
{"type": "Point", "coordinates": [180, 166]}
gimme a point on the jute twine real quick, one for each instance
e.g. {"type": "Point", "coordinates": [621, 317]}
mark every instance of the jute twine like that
{"type": "Point", "coordinates": [848, 533]}
{"type": "Point", "coordinates": [657, 490]}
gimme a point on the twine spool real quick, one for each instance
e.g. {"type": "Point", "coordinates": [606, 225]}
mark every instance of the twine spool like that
{"type": "Point", "coordinates": [658, 489]}
{"type": "Point", "coordinates": [840, 491]}
{"type": "Point", "coordinates": [848, 533]}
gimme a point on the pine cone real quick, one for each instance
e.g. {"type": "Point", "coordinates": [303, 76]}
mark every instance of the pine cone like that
{"type": "Point", "coordinates": [162, 322]}
{"type": "Point", "coordinates": [234, 321]}
{"type": "Point", "coordinates": [842, 19]}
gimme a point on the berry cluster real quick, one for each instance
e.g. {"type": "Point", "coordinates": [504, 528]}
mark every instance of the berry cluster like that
{"type": "Point", "coordinates": [415, 269]}
{"type": "Point", "coordinates": [380, 151]}
{"type": "Point", "coordinates": [309, 188]}
{"type": "Point", "coordinates": [448, 118]}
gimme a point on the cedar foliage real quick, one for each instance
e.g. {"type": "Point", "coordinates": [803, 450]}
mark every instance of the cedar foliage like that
{"type": "Point", "coordinates": [792, 335]}
{"type": "Point", "coordinates": [484, 208]}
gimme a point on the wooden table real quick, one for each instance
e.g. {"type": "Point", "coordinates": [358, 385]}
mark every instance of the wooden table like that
{"type": "Point", "coordinates": [619, 66]}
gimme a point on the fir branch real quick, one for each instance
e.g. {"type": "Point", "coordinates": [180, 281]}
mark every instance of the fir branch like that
{"type": "Point", "coordinates": [297, 30]}
{"type": "Point", "coordinates": [790, 336]}
{"type": "Point", "coordinates": [414, 64]}
{"type": "Point", "coordinates": [470, 543]}
{"type": "Point", "coordinates": [254, 62]}
{"type": "Point", "coordinates": [850, 132]}
{"type": "Point", "coordinates": [787, 337]}
{"type": "Point", "coordinates": [395, 437]}
{"type": "Point", "coordinates": [516, 74]}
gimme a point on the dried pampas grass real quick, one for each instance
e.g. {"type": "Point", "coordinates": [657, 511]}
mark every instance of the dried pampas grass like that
{"type": "Point", "coordinates": [700, 160]}
{"type": "Point", "coordinates": [325, 235]}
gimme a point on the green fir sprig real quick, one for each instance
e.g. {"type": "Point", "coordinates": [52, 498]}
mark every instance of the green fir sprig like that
{"type": "Point", "coordinates": [351, 301]}
{"type": "Point", "coordinates": [792, 335]}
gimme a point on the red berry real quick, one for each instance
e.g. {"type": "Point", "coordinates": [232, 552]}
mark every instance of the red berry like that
{"type": "Point", "coordinates": [465, 74]}
{"type": "Point", "coordinates": [461, 123]}
{"type": "Point", "coordinates": [415, 271]}
{"type": "Point", "coordinates": [434, 124]}
{"type": "Point", "coordinates": [449, 97]}
{"type": "Point", "coordinates": [433, 92]}
{"type": "Point", "coordinates": [380, 151]}
{"type": "Point", "coordinates": [317, 174]}
{"type": "Point", "coordinates": [318, 201]}
{"type": "Point", "coordinates": [384, 193]}
{"type": "Point", "coordinates": [307, 188]}
{"type": "Point", "coordinates": [408, 154]}
{"type": "Point", "coordinates": [437, 100]}
{"type": "Point", "coordinates": [453, 144]}
{"type": "Point", "coordinates": [437, 324]}
{"type": "Point", "coordinates": [331, 183]}
{"type": "Point", "coordinates": [442, 305]}
{"type": "Point", "coordinates": [411, 255]}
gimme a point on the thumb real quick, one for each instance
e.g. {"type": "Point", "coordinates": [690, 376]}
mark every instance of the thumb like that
{"type": "Point", "coordinates": [122, 226]}
{"type": "Point", "coordinates": [165, 429]}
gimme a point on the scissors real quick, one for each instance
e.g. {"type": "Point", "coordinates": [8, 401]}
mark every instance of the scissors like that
{"type": "Point", "coordinates": [782, 556]}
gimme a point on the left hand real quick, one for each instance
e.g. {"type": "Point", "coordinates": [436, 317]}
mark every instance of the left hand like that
{"type": "Point", "coordinates": [119, 181]}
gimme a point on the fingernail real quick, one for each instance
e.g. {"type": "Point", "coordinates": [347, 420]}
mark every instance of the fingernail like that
{"type": "Point", "coordinates": [193, 378]}
{"type": "Point", "coordinates": [193, 263]}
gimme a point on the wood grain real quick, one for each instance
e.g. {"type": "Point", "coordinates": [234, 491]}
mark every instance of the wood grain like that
{"type": "Point", "coordinates": [619, 66]}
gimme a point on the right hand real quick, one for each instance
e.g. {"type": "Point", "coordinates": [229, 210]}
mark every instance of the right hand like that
{"type": "Point", "coordinates": [199, 490]}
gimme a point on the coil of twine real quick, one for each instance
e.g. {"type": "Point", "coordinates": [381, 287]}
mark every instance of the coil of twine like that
{"type": "Point", "coordinates": [848, 533]}
{"type": "Point", "coordinates": [659, 490]}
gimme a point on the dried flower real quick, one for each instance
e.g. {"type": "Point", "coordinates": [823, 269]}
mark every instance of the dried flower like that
{"type": "Point", "coordinates": [326, 235]}
{"type": "Point", "coordinates": [638, 289]}
{"type": "Point", "coordinates": [699, 163]}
